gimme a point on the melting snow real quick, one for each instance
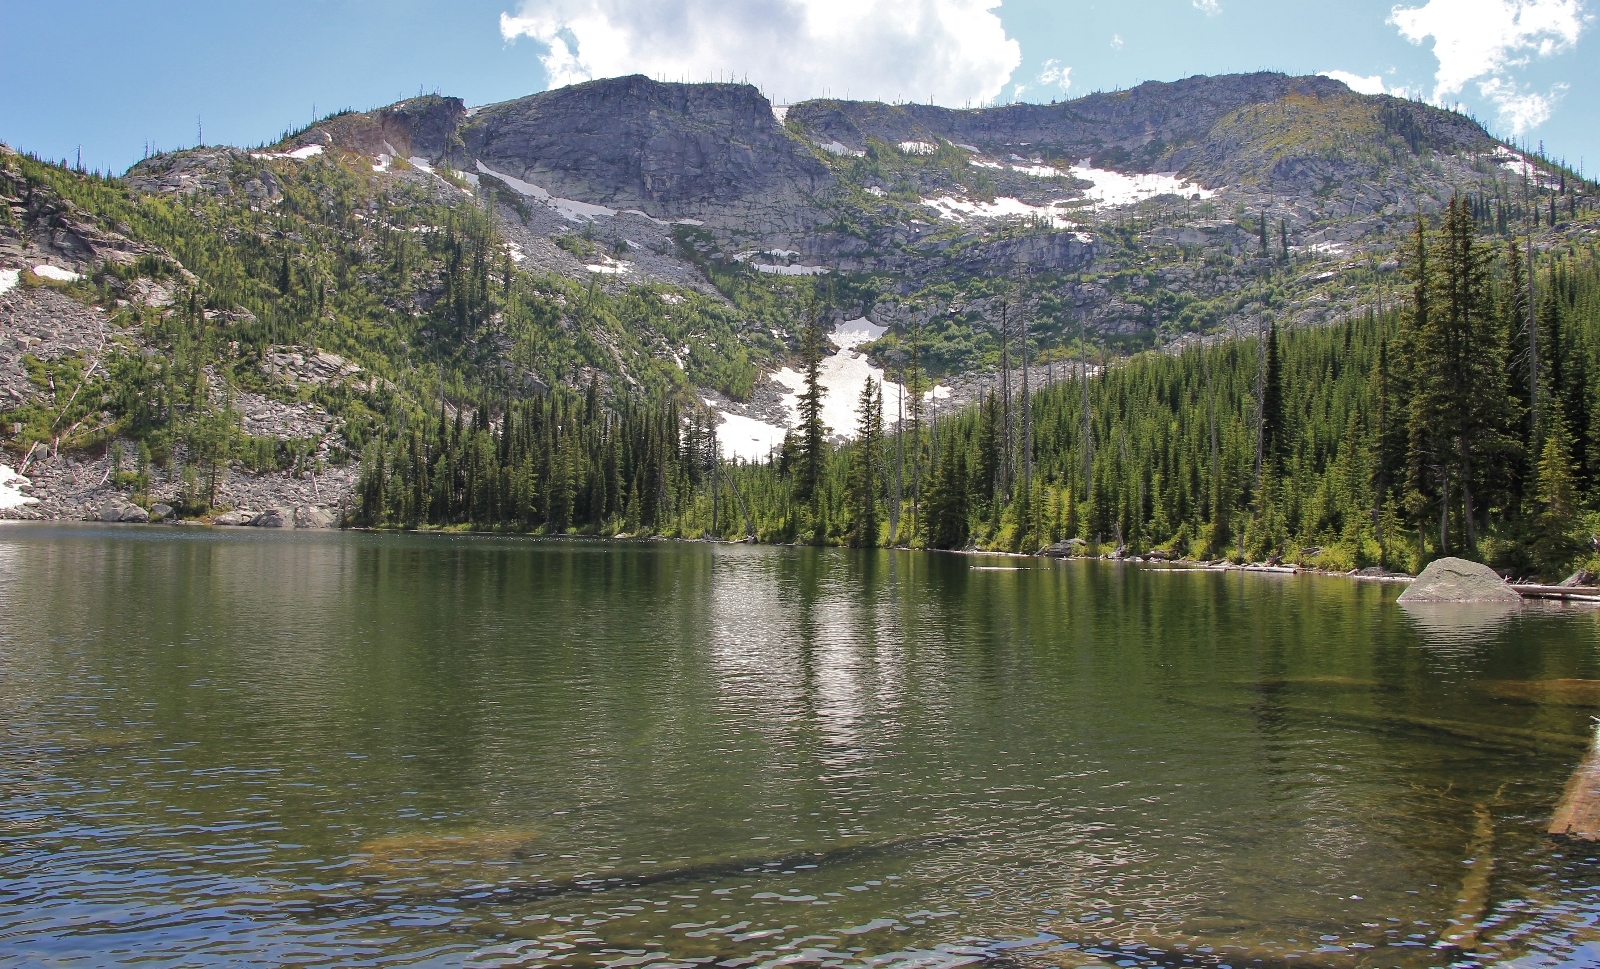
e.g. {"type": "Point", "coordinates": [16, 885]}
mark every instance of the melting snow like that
{"type": "Point", "coordinates": [11, 484]}
{"type": "Point", "coordinates": [747, 438]}
{"type": "Point", "coordinates": [420, 164]}
{"type": "Point", "coordinates": [790, 270]}
{"type": "Point", "coordinates": [918, 147]}
{"type": "Point", "coordinates": [382, 164]}
{"type": "Point", "coordinates": [1115, 188]}
{"type": "Point", "coordinates": [517, 255]}
{"type": "Point", "coordinates": [1519, 165]}
{"type": "Point", "coordinates": [1004, 207]}
{"type": "Point", "coordinates": [8, 278]}
{"type": "Point", "coordinates": [56, 273]}
{"type": "Point", "coordinates": [610, 266]}
{"type": "Point", "coordinates": [570, 209]}
{"type": "Point", "coordinates": [842, 150]}
{"type": "Point", "coordinates": [781, 112]}
{"type": "Point", "coordinates": [842, 376]}
{"type": "Point", "coordinates": [299, 154]}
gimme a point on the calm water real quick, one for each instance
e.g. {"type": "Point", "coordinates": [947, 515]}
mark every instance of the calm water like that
{"type": "Point", "coordinates": [265, 748]}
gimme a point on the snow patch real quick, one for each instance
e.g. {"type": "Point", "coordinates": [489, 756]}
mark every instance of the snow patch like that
{"type": "Point", "coordinates": [609, 266]}
{"type": "Point", "coordinates": [853, 333]}
{"type": "Point", "coordinates": [840, 149]}
{"type": "Point", "coordinates": [690, 222]}
{"type": "Point", "coordinates": [971, 148]}
{"type": "Point", "coordinates": [299, 154]}
{"type": "Point", "coordinates": [11, 484]}
{"type": "Point", "coordinates": [671, 299]}
{"type": "Point", "coordinates": [1115, 188]}
{"type": "Point", "coordinates": [781, 112]}
{"type": "Point", "coordinates": [875, 190]}
{"type": "Point", "coordinates": [790, 270]}
{"type": "Point", "coordinates": [517, 255]}
{"type": "Point", "coordinates": [1322, 248]}
{"type": "Point", "coordinates": [570, 209]}
{"type": "Point", "coordinates": [382, 163]}
{"type": "Point", "coordinates": [56, 273]}
{"type": "Point", "coordinates": [8, 279]}
{"type": "Point", "coordinates": [1518, 165]}
{"type": "Point", "coordinates": [747, 438]}
{"type": "Point", "coordinates": [420, 164]}
{"type": "Point", "coordinates": [918, 147]}
{"type": "Point", "coordinates": [1004, 207]}
{"type": "Point", "coordinates": [842, 376]}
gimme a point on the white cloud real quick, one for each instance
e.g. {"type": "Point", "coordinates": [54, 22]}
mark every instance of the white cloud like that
{"type": "Point", "coordinates": [1055, 75]}
{"type": "Point", "coordinates": [1116, 41]}
{"type": "Point", "coordinates": [1486, 40]}
{"type": "Point", "coordinates": [1357, 83]}
{"type": "Point", "coordinates": [1208, 7]}
{"type": "Point", "coordinates": [953, 51]}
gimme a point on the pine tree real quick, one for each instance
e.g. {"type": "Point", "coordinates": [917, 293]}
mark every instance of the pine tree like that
{"type": "Point", "coordinates": [862, 502]}
{"type": "Point", "coordinates": [945, 506]}
{"type": "Point", "coordinates": [1554, 548]}
{"type": "Point", "coordinates": [1462, 413]}
{"type": "Point", "coordinates": [813, 433]}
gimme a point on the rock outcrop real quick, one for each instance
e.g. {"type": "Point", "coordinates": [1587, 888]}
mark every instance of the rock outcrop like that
{"type": "Point", "coordinates": [711, 151]}
{"type": "Point", "coordinates": [1458, 580]}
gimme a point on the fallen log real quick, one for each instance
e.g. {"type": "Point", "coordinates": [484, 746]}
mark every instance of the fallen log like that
{"type": "Point", "coordinates": [1578, 812]}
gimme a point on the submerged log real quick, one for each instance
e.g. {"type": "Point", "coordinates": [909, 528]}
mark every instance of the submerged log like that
{"type": "Point", "coordinates": [1578, 813]}
{"type": "Point", "coordinates": [1473, 902]}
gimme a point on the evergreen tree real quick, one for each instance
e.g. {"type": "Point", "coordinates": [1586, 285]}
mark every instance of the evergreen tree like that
{"type": "Point", "coordinates": [863, 505]}
{"type": "Point", "coordinates": [813, 433]}
{"type": "Point", "coordinates": [945, 507]}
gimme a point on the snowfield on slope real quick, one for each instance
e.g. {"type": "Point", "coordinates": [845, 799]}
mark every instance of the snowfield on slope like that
{"type": "Point", "coordinates": [842, 377]}
{"type": "Point", "coordinates": [11, 484]}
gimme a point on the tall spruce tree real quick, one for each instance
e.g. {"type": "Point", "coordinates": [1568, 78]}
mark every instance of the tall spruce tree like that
{"type": "Point", "coordinates": [863, 506]}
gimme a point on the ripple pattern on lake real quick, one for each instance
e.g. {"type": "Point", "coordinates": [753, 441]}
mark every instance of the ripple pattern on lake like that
{"type": "Point", "coordinates": [251, 748]}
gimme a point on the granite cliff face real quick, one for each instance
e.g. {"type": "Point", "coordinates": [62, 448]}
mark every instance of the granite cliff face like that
{"type": "Point", "coordinates": [673, 151]}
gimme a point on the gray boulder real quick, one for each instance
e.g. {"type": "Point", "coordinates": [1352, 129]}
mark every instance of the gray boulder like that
{"type": "Point", "coordinates": [313, 516]}
{"type": "Point", "coordinates": [275, 517]}
{"type": "Point", "coordinates": [239, 516]}
{"type": "Point", "coordinates": [1066, 549]}
{"type": "Point", "coordinates": [160, 512]}
{"type": "Point", "coordinates": [118, 510]}
{"type": "Point", "coordinates": [1458, 580]}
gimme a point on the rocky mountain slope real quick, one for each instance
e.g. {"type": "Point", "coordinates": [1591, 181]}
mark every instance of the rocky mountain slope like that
{"type": "Point", "coordinates": [668, 239]}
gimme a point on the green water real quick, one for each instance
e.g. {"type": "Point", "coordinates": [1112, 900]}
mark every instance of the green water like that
{"type": "Point", "coordinates": [261, 748]}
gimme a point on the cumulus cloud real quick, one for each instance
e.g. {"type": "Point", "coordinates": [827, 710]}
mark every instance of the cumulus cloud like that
{"type": "Point", "coordinates": [952, 51]}
{"type": "Point", "coordinates": [1054, 75]}
{"type": "Point", "coordinates": [1208, 7]}
{"type": "Point", "coordinates": [1051, 75]}
{"type": "Point", "coordinates": [1486, 41]}
{"type": "Point", "coordinates": [1116, 41]}
{"type": "Point", "coordinates": [1357, 83]}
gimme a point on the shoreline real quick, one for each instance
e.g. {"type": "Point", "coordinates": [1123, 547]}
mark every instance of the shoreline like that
{"type": "Point", "coordinates": [1162, 565]}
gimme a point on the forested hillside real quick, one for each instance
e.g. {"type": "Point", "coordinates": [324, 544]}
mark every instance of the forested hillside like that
{"type": "Point", "coordinates": [1436, 424]}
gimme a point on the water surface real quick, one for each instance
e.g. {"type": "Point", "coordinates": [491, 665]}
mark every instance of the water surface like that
{"type": "Point", "coordinates": [259, 748]}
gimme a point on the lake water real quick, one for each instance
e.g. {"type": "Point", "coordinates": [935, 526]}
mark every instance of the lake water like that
{"type": "Point", "coordinates": [262, 748]}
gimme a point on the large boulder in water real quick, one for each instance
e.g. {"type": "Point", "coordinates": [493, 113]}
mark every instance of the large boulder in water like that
{"type": "Point", "coordinates": [1457, 580]}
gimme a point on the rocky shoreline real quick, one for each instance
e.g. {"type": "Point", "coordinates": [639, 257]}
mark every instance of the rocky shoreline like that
{"type": "Point", "coordinates": [81, 488]}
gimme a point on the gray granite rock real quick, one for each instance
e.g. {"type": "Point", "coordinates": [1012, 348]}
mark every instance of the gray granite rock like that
{"type": "Point", "coordinates": [275, 517]}
{"type": "Point", "coordinates": [1458, 580]}
{"type": "Point", "coordinates": [239, 516]}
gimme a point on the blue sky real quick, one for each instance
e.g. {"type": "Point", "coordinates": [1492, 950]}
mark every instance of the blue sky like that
{"type": "Point", "coordinates": [112, 77]}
